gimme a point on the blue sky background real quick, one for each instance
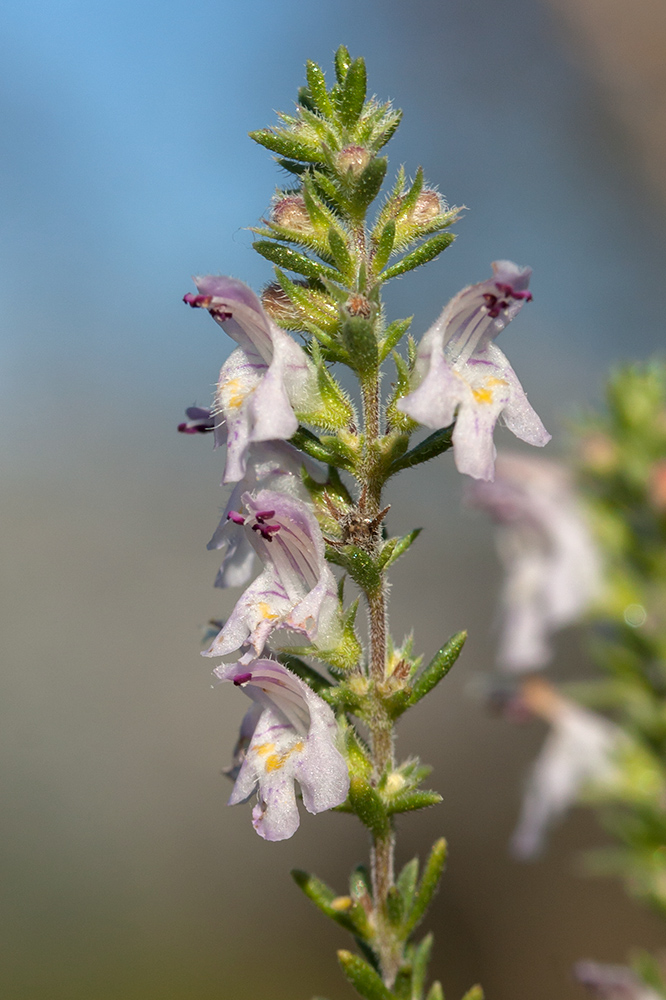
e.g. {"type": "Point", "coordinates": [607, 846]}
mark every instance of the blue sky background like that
{"type": "Point", "coordinates": [125, 168]}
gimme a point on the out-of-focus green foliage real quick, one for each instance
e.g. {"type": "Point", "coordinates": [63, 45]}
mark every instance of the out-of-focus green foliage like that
{"type": "Point", "coordinates": [622, 467]}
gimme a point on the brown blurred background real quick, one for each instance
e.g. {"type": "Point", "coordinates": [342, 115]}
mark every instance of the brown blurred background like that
{"type": "Point", "coordinates": [126, 169]}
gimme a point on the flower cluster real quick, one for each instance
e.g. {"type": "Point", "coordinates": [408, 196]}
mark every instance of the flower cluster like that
{"type": "Point", "coordinates": [290, 733]}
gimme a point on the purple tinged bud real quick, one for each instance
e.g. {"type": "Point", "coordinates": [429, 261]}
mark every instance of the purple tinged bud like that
{"type": "Point", "coordinates": [353, 159]}
{"type": "Point", "coordinates": [291, 212]}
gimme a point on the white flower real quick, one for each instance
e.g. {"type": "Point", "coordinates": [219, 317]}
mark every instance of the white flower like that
{"type": "Point", "coordinates": [263, 381]}
{"type": "Point", "coordinates": [460, 374]}
{"type": "Point", "coordinates": [289, 734]}
{"type": "Point", "coordinates": [551, 563]}
{"type": "Point", "coordinates": [579, 752]}
{"type": "Point", "coordinates": [296, 592]}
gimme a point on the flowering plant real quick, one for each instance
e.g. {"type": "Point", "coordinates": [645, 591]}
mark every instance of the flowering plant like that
{"type": "Point", "coordinates": [599, 551]}
{"type": "Point", "coordinates": [309, 472]}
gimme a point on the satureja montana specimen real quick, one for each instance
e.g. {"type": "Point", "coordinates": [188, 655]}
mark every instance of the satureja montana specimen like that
{"type": "Point", "coordinates": [308, 474]}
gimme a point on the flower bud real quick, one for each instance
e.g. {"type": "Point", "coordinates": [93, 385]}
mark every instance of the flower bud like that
{"type": "Point", "coordinates": [291, 212]}
{"type": "Point", "coordinates": [428, 206]}
{"type": "Point", "coordinates": [353, 159]}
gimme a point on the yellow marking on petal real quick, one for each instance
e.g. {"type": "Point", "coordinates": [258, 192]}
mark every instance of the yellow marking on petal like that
{"type": "Point", "coordinates": [265, 611]}
{"type": "Point", "coordinates": [278, 760]}
{"type": "Point", "coordinates": [485, 394]}
{"type": "Point", "coordinates": [233, 393]}
{"type": "Point", "coordinates": [264, 748]}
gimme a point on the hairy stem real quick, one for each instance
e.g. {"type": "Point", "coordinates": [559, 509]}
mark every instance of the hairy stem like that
{"type": "Point", "coordinates": [381, 727]}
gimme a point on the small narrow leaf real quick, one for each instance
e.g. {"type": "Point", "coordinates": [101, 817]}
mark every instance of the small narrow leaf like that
{"type": "Point", "coordinates": [432, 873]}
{"type": "Point", "coordinates": [430, 447]}
{"type": "Point", "coordinates": [317, 85]}
{"type": "Point", "coordinates": [285, 145]}
{"type": "Point", "coordinates": [406, 882]}
{"type": "Point", "coordinates": [363, 977]}
{"type": "Point", "coordinates": [368, 185]}
{"type": "Point", "coordinates": [360, 883]}
{"type": "Point", "coordinates": [476, 993]}
{"type": "Point", "coordinates": [399, 547]}
{"type": "Point", "coordinates": [435, 992]}
{"type": "Point", "coordinates": [291, 260]}
{"type": "Point", "coordinates": [395, 906]}
{"type": "Point", "coordinates": [409, 801]}
{"type": "Point", "coordinates": [352, 94]}
{"type": "Point", "coordinates": [409, 200]}
{"type": "Point", "coordinates": [384, 247]}
{"type": "Point", "coordinates": [340, 252]}
{"type": "Point", "coordinates": [420, 965]}
{"type": "Point", "coordinates": [426, 252]}
{"type": "Point", "coordinates": [438, 667]}
{"type": "Point", "coordinates": [342, 63]}
{"type": "Point", "coordinates": [386, 133]}
{"type": "Point", "coordinates": [360, 565]}
{"type": "Point", "coordinates": [308, 442]}
{"type": "Point", "coordinates": [323, 897]}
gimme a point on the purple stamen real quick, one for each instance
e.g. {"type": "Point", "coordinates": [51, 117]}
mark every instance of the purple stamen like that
{"type": "Point", "coordinates": [235, 517]}
{"type": "Point", "coordinates": [197, 301]}
{"type": "Point", "coordinates": [263, 515]}
{"type": "Point", "coordinates": [242, 679]}
{"type": "Point", "coordinates": [266, 530]}
{"type": "Point", "coordinates": [509, 291]}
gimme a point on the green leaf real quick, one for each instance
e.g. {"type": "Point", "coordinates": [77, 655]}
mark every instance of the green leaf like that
{"type": "Point", "coordinates": [426, 252]}
{"type": "Point", "coordinates": [384, 247]}
{"type": "Point", "coordinates": [360, 883]}
{"type": "Point", "coordinates": [342, 63]}
{"type": "Point", "coordinates": [367, 186]}
{"type": "Point", "coordinates": [360, 565]}
{"type": "Point", "coordinates": [408, 201]}
{"type": "Point", "coordinates": [341, 255]}
{"type": "Point", "coordinates": [476, 993]}
{"type": "Point", "coordinates": [283, 143]}
{"type": "Point", "coordinates": [409, 801]}
{"type": "Point", "coordinates": [363, 977]}
{"type": "Point", "coordinates": [395, 906]}
{"type": "Point", "coordinates": [393, 119]}
{"type": "Point", "coordinates": [438, 668]}
{"type": "Point", "coordinates": [432, 873]}
{"type": "Point", "coordinates": [318, 92]}
{"type": "Point", "coordinates": [293, 261]}
{"type": "Point", "coordinates": [406, 882]}
{"type": "Point", "coordinates": [360, 341]}
{"type": "Point", "coordinates": [323, 898]}
{"type": "Point", "coordinates": [435, 992]}
{"type": "Point", "coordinates": [396, 547]}
{"type": "Point", "coordinates": [351, 94]}
{"type": "Point", "coordinates": [308, 442]}
{"type": "Point", "coordinates": [420, 966]}
{"type": "Point", "coordinates": [430, 447]}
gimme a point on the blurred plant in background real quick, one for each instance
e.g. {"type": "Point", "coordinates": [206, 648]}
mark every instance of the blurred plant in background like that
{"type": "Point", "coordinates": [607, 744]}
{"type": "Point", "coordinates": [308, 471]}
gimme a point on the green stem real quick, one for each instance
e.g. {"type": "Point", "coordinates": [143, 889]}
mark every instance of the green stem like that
{"type": "Point", "coordinates": [381, 728]}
